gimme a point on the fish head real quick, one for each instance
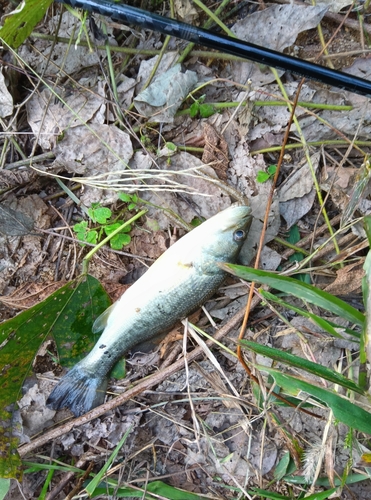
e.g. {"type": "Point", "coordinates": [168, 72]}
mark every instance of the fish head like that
{"type": "Point", "coordinates": [222, 236]}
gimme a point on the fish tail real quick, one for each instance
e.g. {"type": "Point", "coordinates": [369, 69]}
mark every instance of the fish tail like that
{"type": "Point", "coordinates": [79, 390]}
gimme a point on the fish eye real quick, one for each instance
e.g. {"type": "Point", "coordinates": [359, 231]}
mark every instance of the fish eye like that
{"type": "Point", "coordinates": [239, 235]}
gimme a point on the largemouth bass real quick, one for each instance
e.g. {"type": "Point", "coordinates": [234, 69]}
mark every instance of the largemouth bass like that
{"type": "Point", "coordinates": [178, 282]}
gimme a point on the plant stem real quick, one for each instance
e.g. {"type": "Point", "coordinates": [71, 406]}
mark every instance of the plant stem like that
{"type": "Point", "coordinates": [330, 142]}
{"type": "Point", "coordinates": [303, 104]}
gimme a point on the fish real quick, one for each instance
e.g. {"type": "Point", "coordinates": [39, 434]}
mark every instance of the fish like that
{"type": "Point", "coordinates": [176, 284]}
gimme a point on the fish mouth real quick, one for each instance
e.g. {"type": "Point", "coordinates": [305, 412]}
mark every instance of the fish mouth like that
{"type": "Point", "coordinates": [237, 216]}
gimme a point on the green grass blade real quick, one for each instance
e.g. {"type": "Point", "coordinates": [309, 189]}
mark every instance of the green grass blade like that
{"type": "Point", "coordinates": [37, 467]}
{"type": "Point", "coordinates": [327, 326]}
{"type": "Point", "coordinates": [45, 488]}
{"type": "Point", "coordinates": [91, 487]}
{"type": "Point", "coordinates": [324, 481]}
{"type": "Point", "coordinates": [269, 494]}
{"type": "Point", "coordinates": [299, 289]}
{"type": "Point", "coordinates": [304, 364]}
{"type": "Point", "coordinates": [156, 489]}
{"type": "Point", "coordinates": [323, 495]}
{"type": "Point", "coordinates": [365, 350]}
{"type": "Point", "coordinates": [346, 412]}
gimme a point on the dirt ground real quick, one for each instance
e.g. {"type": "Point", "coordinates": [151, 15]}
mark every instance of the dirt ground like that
{"type": "Point", "coordinates": [196, 136]}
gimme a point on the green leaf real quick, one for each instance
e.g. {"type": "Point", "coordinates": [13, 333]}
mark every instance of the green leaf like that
{"type": "Point", "coordinates": [4, 487]}
{"type": "Point", "coordinates": [171, 147]}
{"type": "Point", "coordinates": [19, 25]}
{"type": "Point", "coordinates": [194, 109]}
{"type": "Point", "coordinates": [196, 221]}
{"type": "Point", "coordinates": [301, 290]}
{"type": "Point", "coordinates": [294, 235]}
{"type": "Point", "coordinates": [304, 364]}
{"type": "Point", "coordinates": [321, 495]}
{"type": "Point", "coordinates": [119, 240]}
{"type": "Point", "coordinates": [112, 227]}
{"type": "Point", "coordinates": [282, 466]}
{"type": "Point", "coordinates": [262, 176]}
{"type": "Point", "coordinates": [91, 237]}
{"type": "Point", "coordinates": [68, 315]}
{"type": "Point", "coordinates": [81, 228]}
{"type": "Point", "coordinates": [346, 412]}
{"type": "Point", "coordinates": [272, 170]}
{"type": "Point", "coordinates": [85, 234]}
{"type": "Point", "coordinates": [125, 197]}
{"type": "Point", "coordinates": [100, 214]}
{"type": "Point", "coordinates": [206, 110]}
{"type": "Point", "coordinates": [119, 370]}
{"type": "Point", "coordinates": [72, 326]}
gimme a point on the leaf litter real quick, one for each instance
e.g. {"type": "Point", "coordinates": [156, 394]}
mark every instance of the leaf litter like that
{"type": "Point", "coordinates": [79, 123]}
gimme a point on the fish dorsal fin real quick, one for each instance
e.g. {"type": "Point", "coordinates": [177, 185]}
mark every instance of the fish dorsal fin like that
{"type": "Point", "coordinates": [101, 322]}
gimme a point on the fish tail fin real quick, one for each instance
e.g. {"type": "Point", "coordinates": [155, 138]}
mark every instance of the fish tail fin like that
{"type": "Point", "coordinates": [78, 390]}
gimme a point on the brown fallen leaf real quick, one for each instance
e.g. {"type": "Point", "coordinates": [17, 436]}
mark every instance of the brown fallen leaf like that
{"type": "Point", "coordinates": [348, 279]}
{"type": "Point", "coordinates": [14, 223]}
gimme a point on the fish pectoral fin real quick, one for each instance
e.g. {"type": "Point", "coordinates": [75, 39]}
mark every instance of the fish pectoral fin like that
{"type": "Point", "coordinates": [185, 264]}
{"type": "Point", "coordinates": [149, 345]}
{"type": "Point", "coordinates": [101, 322]}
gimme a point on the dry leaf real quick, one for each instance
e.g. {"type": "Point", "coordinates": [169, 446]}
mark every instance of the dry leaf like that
{"type": "Point", "coordinates": [276, 27]}
{"type": "Point", "coordinates": [78, 57]}
{"type": "Point", "coordinates": [242, 174]}
{"type": "Point", "coordinates": [348, 280]}
{"type": "Point", "coordinates": [161, 100]}
{"type": "Point", "coordinates": [6, 99]}
{"type": "Point", "coordinates": [147, 65]}
{"type": "Point", "coordinates": [49, 117]}
{"type": "Point", "coordinates": [336, 5]}
{"type": "Point", "coordinates": [14, 223]}
{"type": "Point", "coordinates": [15, 178]}
{"type": "Point", "coordinates": [300, 182]}
{"type": "Point", "coordinates": [185, 11]}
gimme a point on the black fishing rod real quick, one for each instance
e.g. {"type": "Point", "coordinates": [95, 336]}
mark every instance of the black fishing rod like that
{"type": "Point", "coordinates": [138, 17]}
